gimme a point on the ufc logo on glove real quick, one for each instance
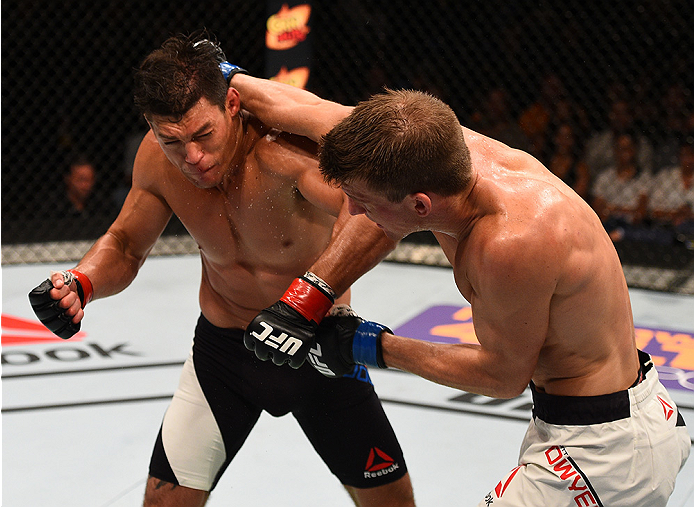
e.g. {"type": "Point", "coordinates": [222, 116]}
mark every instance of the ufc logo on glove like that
{"type": "Point", "coordinates": [285, 331]}
{"type": "Point", "coordinates": [315, 356]}
{"type": "Point", "coordinates": [284, 343]}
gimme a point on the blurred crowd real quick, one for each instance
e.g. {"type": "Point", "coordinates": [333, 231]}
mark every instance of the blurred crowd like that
{"type": "Point", "coordinates": [636, 171]}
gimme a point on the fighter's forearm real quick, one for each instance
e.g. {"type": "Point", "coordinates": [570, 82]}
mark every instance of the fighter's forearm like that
{"type": "Point", "coordinates": [357, 245]}
{"type": "Point", "coordinates": [287, 107]}
{"type": "Point", "coordinates": [461, 366]}
{"type": "Point", "coordinates": [109, 265]}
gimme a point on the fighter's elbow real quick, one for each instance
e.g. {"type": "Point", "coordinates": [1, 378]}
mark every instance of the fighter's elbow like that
{"type": "Point", "coordinates": [509, 388]}
{"type": "Point", "coordinates": [514, 391]}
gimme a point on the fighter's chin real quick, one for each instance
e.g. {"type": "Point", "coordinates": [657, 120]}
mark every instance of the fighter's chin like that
{"type": "Point", "coordinates": [203, 184]}
{"type": "Point", "coordinates": [203, 179]}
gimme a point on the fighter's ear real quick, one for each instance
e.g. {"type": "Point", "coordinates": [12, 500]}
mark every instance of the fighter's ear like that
{"type": "Point", "coordinates": [233, 100]}
{"type": "Point", "coordinates": [421, 203]}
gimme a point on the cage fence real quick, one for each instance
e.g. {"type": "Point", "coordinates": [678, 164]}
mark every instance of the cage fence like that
{"type": "Point", "coordinates": [562, 80]}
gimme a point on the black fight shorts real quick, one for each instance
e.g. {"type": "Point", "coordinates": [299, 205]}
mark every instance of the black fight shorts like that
{"type": "Point", "coordinates": [223, 390]}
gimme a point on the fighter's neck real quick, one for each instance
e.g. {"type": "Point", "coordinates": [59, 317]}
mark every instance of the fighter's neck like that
{"type": "Point", "coordinates": [456, 215]}
{"type": "Point", "coordinates": [242, 145]}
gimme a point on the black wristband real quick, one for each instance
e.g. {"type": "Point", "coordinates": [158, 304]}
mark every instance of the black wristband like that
{"type": "Point", "coordinates": [80, 291]}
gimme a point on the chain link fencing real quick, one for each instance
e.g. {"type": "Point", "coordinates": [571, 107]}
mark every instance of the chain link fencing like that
{"type": "Point", "coordinates": [563, 80]}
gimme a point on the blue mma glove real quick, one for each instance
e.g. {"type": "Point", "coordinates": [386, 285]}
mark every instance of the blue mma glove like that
{"type": "Point", "coordinates": [228, 69]}
{"type": "Point", "coordinates": [344, 339]}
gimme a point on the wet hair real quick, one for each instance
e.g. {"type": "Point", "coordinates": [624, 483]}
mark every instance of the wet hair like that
{"type": "Point", "coordinates": [398, 142]}
{"type": "Point", "coordinates": [173, 78]}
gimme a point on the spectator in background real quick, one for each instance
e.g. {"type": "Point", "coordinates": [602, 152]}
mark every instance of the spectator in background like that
{"type": "Point", "coordinates": [79, 212]}
{"type": "Point", "coordinates": [600, 149]}
{"type": "Point", "coordinates": [79, 187]}
{"type": "Point", "coordinates": [620, 193]}
{"type": "Point", "coordinates": [495, 120]}
{"type": "Point", "coordinates": [675, 111]}
{"type": "Point", "coordinates": [540, 120]}
{"type": "Point", "coordinates": [671, 199]}
{"type": "Point", "coordinates": [564, 159]}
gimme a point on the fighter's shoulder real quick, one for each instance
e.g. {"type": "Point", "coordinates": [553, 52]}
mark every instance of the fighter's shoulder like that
{"type": "Point", "coordinates": [149, 154]}
{"type": "Point", "coordinates": [150, 162]}
{"type": "Point", "coordinates": [487, 150]}
{"type": "Point", "coordinates": [516, 248]}
{"type": "Point", "coordinates": [281, 152]}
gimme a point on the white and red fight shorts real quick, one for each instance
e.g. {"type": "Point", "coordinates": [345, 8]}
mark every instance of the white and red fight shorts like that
{"type": "Point", "coordinates": [620, 449]}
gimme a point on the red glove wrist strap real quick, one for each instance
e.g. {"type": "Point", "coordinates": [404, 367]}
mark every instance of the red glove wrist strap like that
{"type": "Point", "coordinates": [308, 300]}
{"type": "Point", "coordinates": [86, 284]}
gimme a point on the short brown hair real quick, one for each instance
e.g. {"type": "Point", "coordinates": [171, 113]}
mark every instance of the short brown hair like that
{"type": "Point", "coordinates": [398, 142]}
{"type": "Point", "coordinates": [173, 78]}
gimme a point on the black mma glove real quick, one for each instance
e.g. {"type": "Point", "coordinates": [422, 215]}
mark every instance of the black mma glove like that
{"type": "Point", "coordinates": [284, 332]}
{"type": "Point", "coordinates": [344, 339]}
{"type": "Point", "coordinates": [53, 316]}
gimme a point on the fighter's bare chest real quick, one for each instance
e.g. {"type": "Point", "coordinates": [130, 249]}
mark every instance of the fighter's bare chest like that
{"type": "Point", "coordinates": [247, 222]}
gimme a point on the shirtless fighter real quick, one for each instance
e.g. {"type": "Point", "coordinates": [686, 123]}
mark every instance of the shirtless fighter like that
{"type": "Point", "coordinates": [549, 300]}
{"type": "Point", "coordinates": [264, 220]}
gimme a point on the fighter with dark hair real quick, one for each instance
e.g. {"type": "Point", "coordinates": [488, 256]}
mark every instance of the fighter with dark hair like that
{"type": "Point", "coordinates": [278, 247]}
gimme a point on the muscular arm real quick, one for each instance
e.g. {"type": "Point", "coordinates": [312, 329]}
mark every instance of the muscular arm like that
{"type": "Point", "coordinates": [510, 304]}
{"type": "Point", "coordinates": [114, 260]}
{"type": "Point", "coordinates": [288, 108]}
{"type": "Point", "coordinates": [356, 246]}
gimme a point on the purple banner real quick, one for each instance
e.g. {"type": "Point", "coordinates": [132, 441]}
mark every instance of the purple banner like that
{"type": "Point", "coordinates": [672, 351]}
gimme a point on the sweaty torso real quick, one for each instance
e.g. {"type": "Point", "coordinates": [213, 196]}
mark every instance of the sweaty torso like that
{"type": "Point", "coordinates": [256, 232]}
{"type": "Point", "coordinates": [588, 344]}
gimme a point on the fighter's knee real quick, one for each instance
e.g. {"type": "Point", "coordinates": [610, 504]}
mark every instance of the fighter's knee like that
{"type": "Point", "coordinates": [160, 493]}
{"type": "Point", "coordinates": [395, 494]}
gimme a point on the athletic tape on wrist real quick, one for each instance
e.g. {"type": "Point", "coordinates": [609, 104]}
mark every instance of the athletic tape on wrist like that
{"type": "Point", "coordinates": [366, 346]}
{"type": "Point", "coordinates": [84, 286]}
{"type": "Point", "coordinates": [230, 70]}
{"type": "Point", "coordinates": [320, 283]}
{"type": "Point", "coordinates": [308, 299]}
